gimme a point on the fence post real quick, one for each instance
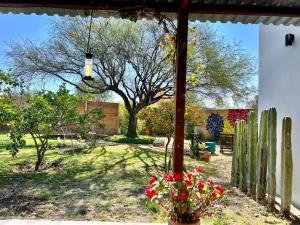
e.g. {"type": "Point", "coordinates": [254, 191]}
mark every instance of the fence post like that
{"type": "Point", "coordinates": [286, 166]}
{"type": "Point", "coordinates": [234, 157]}
{"type": "Point", "coordinates": [262, 157]}
{"type": "Point", "coordinates": [240, 156]}
{"type": "Point", "coordinates": [252, 152]}
{"type": "Point", "coordinates": [271, 184]}
{"type": "Point", "coordinates": [244, 156]}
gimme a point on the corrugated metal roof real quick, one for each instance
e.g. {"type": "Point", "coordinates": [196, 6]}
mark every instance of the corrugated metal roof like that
{"type": "Point", "coordinates": [211, 10]}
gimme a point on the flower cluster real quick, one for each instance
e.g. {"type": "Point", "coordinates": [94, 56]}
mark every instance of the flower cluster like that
{"type": "Point", "coordinates": [185, 196]}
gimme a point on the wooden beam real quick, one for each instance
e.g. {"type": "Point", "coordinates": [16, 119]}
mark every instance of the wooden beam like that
{"type": "Point", "coordinates": [181, 61]}
{"type": "Point", "coordinates": [260, 9]}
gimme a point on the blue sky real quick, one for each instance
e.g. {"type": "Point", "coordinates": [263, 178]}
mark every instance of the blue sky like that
{"type": "Point", "coordinates": [18, 27]}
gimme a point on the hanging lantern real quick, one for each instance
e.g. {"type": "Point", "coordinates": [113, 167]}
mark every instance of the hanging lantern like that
{"type": "Point", "coordinates": [88, 67]}
{"type": "Point", "coordinates": [88, 62]}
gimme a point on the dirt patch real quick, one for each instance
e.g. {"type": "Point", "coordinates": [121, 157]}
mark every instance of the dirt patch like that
{"type": "Point", "coordinates": [19, 204]}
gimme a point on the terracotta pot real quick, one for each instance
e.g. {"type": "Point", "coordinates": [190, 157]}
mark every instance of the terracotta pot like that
{"type": "Point", "coordinates": [205, 156]}
{"type": "Point", "coordinates": [171, 222]}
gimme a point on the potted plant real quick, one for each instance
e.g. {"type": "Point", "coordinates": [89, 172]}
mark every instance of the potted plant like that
{"type": "Point", "coordinates": [185, 197]}
{"type": "Point", "coordinates": [194, 150]}
{"type": "Point", "coordinates": [204, 154]}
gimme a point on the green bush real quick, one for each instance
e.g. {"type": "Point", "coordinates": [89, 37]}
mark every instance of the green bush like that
{"type": "Point", "coordinates": [129, 140]}
{"type": "Point", "coordinates": [124, 117]}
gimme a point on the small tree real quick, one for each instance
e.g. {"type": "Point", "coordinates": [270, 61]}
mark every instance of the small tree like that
{"type": "Point", "coordinates": [87, 121]}
{"type": "Point", "coordinates": [47, 113]}
{"type": "Point", "coordinates": [160, 121]}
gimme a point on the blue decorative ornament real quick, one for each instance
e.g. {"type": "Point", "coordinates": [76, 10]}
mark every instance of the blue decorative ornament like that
{"type": "Point", "coordinates": [215, 124]}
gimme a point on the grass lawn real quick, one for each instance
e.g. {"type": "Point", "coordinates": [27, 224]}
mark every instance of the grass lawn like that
{"type": "Point", "coordinates": [105, 184]}
{"type": "Point", "coordinates": [129, 140]}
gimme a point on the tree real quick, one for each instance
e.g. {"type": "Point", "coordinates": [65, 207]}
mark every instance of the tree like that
{"type": "Point", "coordinates": [216, 68]}
{"type": "Point", "coordinates": [133, 61]}
{"type": "Point", "coordinates": [160, 121]}
{"type": "Point", "coordinates": [46, 113]}
{"type": "Point", "coordinates": [127, 60]}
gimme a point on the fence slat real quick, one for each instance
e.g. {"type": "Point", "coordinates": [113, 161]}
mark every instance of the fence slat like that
{"type": "Point", "coordinates": [271, 179]}
{"type": "Point", "coordinates": [286, 166]}
{"type": "Point", "coordinates": [244, 156]}
{"type": "Point", "coordinates": [234, 157]}
{"type": "Point", "coordinates": [252, 152]}
{"type": "Point", "coordinates": [262, 157]}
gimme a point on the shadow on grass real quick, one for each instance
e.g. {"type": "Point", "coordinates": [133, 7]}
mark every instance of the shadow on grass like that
{"type": "Point", "coordinates": [109, 177]}
{"type": "Point", "coordinates": [72, 177]}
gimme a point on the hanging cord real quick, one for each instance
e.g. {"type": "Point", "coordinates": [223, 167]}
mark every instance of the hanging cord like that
{"type": "Point", "coordinates": [90, 28]}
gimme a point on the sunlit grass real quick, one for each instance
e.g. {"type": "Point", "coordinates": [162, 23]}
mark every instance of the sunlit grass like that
{"type": "Point", "coordinates": [106, 183]}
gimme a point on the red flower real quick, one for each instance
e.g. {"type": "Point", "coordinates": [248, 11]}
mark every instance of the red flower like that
{"type": "Point", "coordinates": [174, 195]}
{"type": "Point", "coordinates": [196, 216]}
{"type": "Point", "coordinates": [220, 189]}
{"type": "Point", "coordinates": [150, 192]}
{"type": "Point", "coordinates": [210, 181]}
{"type": "Point", "coordinates": [198, 169]}
{"type": "Point", "coordinates": [189, 176]}
{"type": "Point", "coordinates": [188, 182]}
{"type": "Point", "coordinates": [178, 176]}
{"type": "Point", "coordinates": [168, 177]}
{"type": "Point", "coordinates": [214, 195]}
{"type": "Point", "coordinates": [184, 190]}
{"type": "Point", "coordinates": [182, 197]}
{"type": "Point", "coordinates": [152, 180]}
{"type": "Point", "coordinates": [200, 184]}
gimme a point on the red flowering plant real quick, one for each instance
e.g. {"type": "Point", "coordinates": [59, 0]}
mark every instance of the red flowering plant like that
{"type": "Point", "coordinates": [185, 197]}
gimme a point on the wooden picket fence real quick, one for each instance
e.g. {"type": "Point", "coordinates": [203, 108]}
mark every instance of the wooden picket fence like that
{"type": "Point", "coordinates": [254, 159]}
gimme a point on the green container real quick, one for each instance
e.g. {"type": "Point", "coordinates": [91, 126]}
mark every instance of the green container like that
{"type": "Point", "coordinates": [211, 147]}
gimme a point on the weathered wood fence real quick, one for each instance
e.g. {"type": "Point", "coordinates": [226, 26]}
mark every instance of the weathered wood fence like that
{"type": "Point", "coordinates": [254, 158]}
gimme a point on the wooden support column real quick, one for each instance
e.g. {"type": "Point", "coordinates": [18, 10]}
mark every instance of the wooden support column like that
{"type": "Point", "coordinates": [181, 59]}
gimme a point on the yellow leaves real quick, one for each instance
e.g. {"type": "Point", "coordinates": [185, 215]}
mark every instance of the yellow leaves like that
{"type": "Point", "coordinates": [227, 129]}
{"type": "Point", "coordinates": [194, 115]}
{"type": "Point", "coordinates": [192, 29]}
{"type": "Point", "coordinates": [161, 45]}
{"type": "Point", "coordinates": [93, 26]}
{"type": "Point", "coordinates": [193, 78]}
{"type": "Point", "coordinates": [73, 34]}
{"type": "Point", "coordinates": [170, 37]}
{"type": "Point", "coordinates": [200, 68]}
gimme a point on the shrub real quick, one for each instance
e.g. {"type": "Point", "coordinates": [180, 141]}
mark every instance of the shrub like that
{"type": "Point", "coordinates": [124, 117]}
{"type": "Point", "coordinates": [159, 142]}
{"type": "Point", "coordinates": [130, 140]}
{"type": "Point", "coordinates": [228, 129]}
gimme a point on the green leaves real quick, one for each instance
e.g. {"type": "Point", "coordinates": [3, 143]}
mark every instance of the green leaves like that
{"type": "Point", "coordinates": [47, 112]}
{"type": "Point", "coordinates": [10, 84]}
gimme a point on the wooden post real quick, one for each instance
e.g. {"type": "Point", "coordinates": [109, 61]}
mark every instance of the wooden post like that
{"type": "Point", "coordinates": [242, 165]}
{"type": "Point", "coordinates": [244, 157]}
{"type": "Point", "coordinates": [239, 159]}
{"type": "Point", "coordinates": [181, 61]}
{"type": "Point", "coordinates": [252, 152]}
{"type": "Point", "coordinates": [234, 156]}
{"type": "Point", "coordinates": [271, 184]}
{"type": "Point", "coordinates": [262, 152]}
{"type": "Point", "coordinates": [286, 166]}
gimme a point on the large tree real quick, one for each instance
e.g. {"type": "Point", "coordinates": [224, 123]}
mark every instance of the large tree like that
{"type": "Point", "coordinates": [127, 60]}
{"type": "Point", "coordinates": [131, 62]}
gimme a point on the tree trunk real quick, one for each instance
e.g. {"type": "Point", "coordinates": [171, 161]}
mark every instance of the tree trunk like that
{"type": "Point", "coordinates": [37, 164]}
{"type": "Point", "coordinates": [132, 125]}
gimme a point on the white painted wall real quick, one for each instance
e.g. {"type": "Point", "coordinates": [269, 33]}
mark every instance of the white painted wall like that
{"type": "Point", "coordinates": [279, 86]}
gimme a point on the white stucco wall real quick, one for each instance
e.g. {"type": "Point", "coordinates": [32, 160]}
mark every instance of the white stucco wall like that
{"type": "Point", "coordinates": [279, 86]}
